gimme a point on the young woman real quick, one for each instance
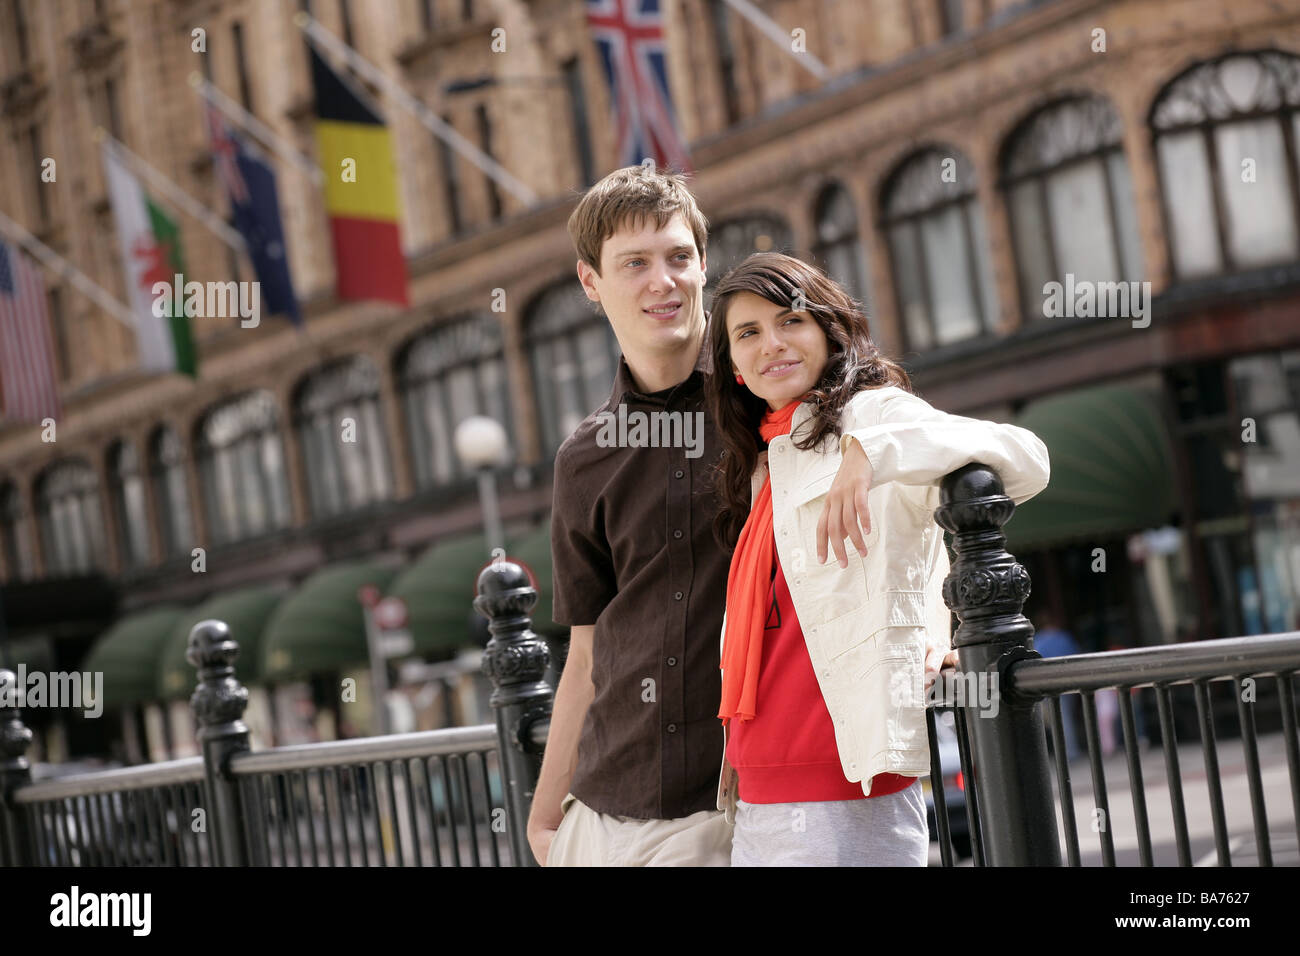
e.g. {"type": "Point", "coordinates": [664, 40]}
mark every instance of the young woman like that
{"type": "Point", "coordinates": [824, 662]}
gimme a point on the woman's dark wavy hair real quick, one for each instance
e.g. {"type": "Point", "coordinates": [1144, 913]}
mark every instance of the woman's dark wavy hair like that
{"type": "Point", "coordinates": [854, 364]}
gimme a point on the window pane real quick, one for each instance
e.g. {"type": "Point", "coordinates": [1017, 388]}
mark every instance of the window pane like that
{"type": "Point", "coordinates": [1030, 231]}
{"type": "Point", "coordinates": [1126, 216]}
{"type": "Point", "coordinates": [413, 401]}
{"type": "Point", "coordinates": [462, 392]}
{"type": "Point", "coordinates": [1081, 232]}
{"type": "Point", "coordinates": [352, 464]}
{"type": "Point", "coordinates": [442, 462]}
{"type": "Point", "coordinates": [136, 521]}
{"type": "Point", "coordinates": [273, 470]}
{"type": "Point", "coordinates": [544, 382]}
{"type": "Point", "coordinates": [373, 447]}
{"type": "Point", "coordinates": [1261, 226]}
{"type": "Point", "coordinates": [984, 268]}
{"type": "Point", "coordinates": [844, 265]}
{"type": "Point", "coordinates": [567, 385]}
{"type": "Point", "coordinates": [1188, 203]}
{"type": "Point", "coordinates": [911, 300]}
{"type": "Point", "coordinates": [492, 382]}
{"type": "Point", "coordinates": [254, 491]}
{"type": "Point", "coordinates": [178, 507]}
{"type": "Point", "coordinates": [948, 271]}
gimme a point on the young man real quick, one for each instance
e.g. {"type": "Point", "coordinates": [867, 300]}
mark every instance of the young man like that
{"type": "Point", "coordinates": [632, 761]}
{"type": "Point", "coordinates": [632, 764]}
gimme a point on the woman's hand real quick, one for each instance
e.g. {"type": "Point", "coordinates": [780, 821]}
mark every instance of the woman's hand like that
{"type": "Point", "coordinates": [845, 513]}
{"type": "Point", "coordinates": [937, 657]}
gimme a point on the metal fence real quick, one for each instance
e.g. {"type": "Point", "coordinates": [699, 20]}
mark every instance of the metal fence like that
{"type": "Point", "coordinates": [460, 797]}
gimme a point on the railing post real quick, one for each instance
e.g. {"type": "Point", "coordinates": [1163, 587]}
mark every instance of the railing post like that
{"type": "Point", "coordinates": [987, 588]}
{"type": "Point", "coordinates": [15, 772]}
{"type": "Point", "coordinates": [515, 661]}
{"type": "Point", "coordinates": [218, 703]}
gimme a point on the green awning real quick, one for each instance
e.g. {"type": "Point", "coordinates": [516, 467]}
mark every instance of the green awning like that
{"type": "Point", "coordinates": [1112, 467]}
{"type": "Point", "coordinates": [128, 653]}
{"type": "Point", "coordinates": [439, 589]}
{"type": "Point", "coordinates": [245, 611]}
{"type": "Point", "coordinates": [319, 628]}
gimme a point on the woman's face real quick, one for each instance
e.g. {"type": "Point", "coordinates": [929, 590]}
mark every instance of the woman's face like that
{"type": "Point", "coordinates": [780, 353]}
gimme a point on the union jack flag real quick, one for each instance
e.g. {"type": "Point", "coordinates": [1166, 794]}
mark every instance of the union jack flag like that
{"type": "Point", "coordinates": [629, 37]}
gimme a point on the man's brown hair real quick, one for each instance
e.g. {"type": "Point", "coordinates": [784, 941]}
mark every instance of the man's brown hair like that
{"type": "Point", "coordinates": [630, 195]}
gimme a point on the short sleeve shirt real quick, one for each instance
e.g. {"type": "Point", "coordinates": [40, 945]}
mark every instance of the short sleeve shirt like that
{"type": "Point", "coordinates": [634, 554]}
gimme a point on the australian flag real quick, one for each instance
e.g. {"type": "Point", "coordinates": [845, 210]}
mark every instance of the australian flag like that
{"type": "Point", "coordinates": [629, 37]}
{"type": "Point", "coordinates": [255, 212]}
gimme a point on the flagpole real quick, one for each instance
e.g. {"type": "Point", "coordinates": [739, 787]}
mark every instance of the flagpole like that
{"type": "Point", "coordinates": [62, 267]}
{"type": "Point", "coordinates": [256, 128]}
{"type": "Point", "coordinates": [773, 31]}
{"type": "Point", "coordinates": [323, 40]}
{"type": "Point", "coordinates": [174, 193]}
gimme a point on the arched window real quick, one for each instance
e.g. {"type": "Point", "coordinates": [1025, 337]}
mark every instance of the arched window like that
{"type": "Point", "coordinates": [14, 537]}
{"type": "Point", "coordinates": [574, 356]}
{"type": "Point", "coordinates": [1069, 198]}
{"type": "Point", "coordinates": [241, 468]}
{"type": "Point", "coordinates": [336, 412]}
{"type": "Point", "coordinates": [70, 519]}
{"type": "Point", "coordinates": [939, 249]}
{"type": "Point", "coordinates": [839, 250]}
{"type": "Point", "coordinates": [171, 493]}
{"type": "Point", "coordinates": [127, 494]}
{"type": "Point", "coordinates": [731, 243]}
{"type": "Point", "coordinates": [446, 375]}
{"type": "Point", "coordinates": [1225, 136]}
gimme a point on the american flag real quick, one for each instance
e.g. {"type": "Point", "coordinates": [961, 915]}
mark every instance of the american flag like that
{"type": "Point", "coordinates": [28, 381]}
{"type": "Point", "coordinates": [629, 37]}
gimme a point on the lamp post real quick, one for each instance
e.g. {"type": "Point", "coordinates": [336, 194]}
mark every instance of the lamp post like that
{"type": "Point", "coordinates": [481, 446]}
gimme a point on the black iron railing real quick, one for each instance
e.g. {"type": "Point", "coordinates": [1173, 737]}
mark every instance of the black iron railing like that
{"type": "Point", "coordinates": [461, 797]}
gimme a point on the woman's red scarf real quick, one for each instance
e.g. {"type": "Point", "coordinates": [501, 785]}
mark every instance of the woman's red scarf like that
{"type": "Point", "coordinates": [749, 582]}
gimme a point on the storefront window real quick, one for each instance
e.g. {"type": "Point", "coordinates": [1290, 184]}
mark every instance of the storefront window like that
{"type": "Point", "coordinates": [1267, 390]}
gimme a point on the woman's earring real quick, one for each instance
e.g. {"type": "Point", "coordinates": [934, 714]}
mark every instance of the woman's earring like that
{"type": "Point", "coordinates": [740, 380]}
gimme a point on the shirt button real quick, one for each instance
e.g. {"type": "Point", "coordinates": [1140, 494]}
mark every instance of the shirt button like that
{"type": "Point", "coordinates": [672, 728]}
{"type": "Point", "coordinates": [677, 533]}
{"type": "Point", "coordinates": [672, 662]}
{"type": "Point", "coordinates": [853, 766]}
{"type": "Point", "coordinates": [780, 449]}
{"type": "Point", "coordinates": [678, 473]}
{"type": "Point", "coordinates": [677, 595]}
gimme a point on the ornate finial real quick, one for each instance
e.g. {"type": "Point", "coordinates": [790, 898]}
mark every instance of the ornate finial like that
{"type": "Point", "coordinates": [219, 700]}
{"type": "Point", "coordinates": [15, 736]}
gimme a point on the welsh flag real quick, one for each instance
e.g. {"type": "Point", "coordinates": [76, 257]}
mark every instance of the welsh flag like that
{"type": "Point", "coordinates": [151, 249]}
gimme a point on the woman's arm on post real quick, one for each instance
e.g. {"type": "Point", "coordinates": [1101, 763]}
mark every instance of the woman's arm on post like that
{"type": "Point", "coordinates": [914, 443]}
{"type": "Point", "coordinates": [572, 699]}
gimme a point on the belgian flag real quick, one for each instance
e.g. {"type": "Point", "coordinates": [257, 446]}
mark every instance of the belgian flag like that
{"type": "Point", "coordinates": [363, 213]}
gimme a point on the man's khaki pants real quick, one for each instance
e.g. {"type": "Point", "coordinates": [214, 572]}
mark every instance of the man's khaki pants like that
{"type": "Point", "coordinates": [589, 838]}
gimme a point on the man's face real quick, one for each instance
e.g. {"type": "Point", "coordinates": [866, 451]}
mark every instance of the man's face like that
{"type": "Point", "coordinates": [651, 285]}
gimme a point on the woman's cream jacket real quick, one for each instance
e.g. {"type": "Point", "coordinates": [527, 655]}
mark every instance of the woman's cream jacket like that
{"type": "Point", "coordinates": [866, 626]}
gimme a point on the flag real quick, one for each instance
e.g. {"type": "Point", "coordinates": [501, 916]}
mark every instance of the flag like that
{"type": "Point", "coordinates": [151, 252]}
{"type": "Point", "coordinates": [28, 380]}
{"type": "Point", "coordinates": [363, 214]}
{"type": "Point", "coordinates": [629, 38]}
{"type": "Point", "coordinates": [255, 212]}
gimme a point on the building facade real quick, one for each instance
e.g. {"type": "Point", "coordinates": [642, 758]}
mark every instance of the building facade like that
{"type": "Point", "coordinates": [960, 157]}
